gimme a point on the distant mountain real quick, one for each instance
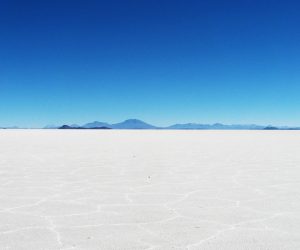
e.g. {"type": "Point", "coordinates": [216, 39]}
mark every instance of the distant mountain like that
{"type": "Point", "coordinates": [74, 126]}
{"type": "Point", "coordinates": [214, 126]}
{"type": "Point", "coordinates": [246, 126]}
{"type": "Point", "coordinates": [96, 124]}
{"type": "Point", "coordinates": [271, 128]}
{"type": "Point", "coordinates": [127, 124]}
{"type": "Point", "coordinates": [71, 127]}
{"type": "Point", "coordinates": [11, 127]}
{"type": "Point", "coordinates": [189, 126]}
{"type": "Point", "coordinates": [132, 124]}
{"type": "Point", "coordinates": [68, 127]}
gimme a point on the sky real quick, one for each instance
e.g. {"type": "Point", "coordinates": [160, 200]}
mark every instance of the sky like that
{"type": "Point", "coordinates": [161, 61]}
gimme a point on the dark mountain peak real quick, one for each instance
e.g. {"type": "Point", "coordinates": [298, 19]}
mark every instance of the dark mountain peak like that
{"type": "Point", "coordinates": [271, 128]}
{"type": "Point", "coordinates": [70, 127]}
{"type": "Point", "coordinates": [65, 127]}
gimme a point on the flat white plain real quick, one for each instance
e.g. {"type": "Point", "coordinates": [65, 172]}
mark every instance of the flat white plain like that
{"type": "Point", "coordinates": [158, 190]}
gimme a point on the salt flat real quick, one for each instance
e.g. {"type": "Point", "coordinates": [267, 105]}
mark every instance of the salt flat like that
{"type": "Point", "coordinates": [158, 190]}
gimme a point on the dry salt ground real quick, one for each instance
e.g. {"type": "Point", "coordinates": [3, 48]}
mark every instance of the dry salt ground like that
{"type": "Point", "coordinates": [155, 190]}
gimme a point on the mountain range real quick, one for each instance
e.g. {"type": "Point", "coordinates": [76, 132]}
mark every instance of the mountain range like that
{"type": "Point", "coordinates": [127, 124]}
{"type": "Point", "coordinates": [139, 124]}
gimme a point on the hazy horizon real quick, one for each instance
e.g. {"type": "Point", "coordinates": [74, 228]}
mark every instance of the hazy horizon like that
{"type": "Point", "coordinates": [166, 124]}
{"type": "Point", "coordinates": [149, 123]}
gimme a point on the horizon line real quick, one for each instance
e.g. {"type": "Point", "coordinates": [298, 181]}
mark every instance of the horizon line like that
{"type": "Point", "coordinates": [49, 126]}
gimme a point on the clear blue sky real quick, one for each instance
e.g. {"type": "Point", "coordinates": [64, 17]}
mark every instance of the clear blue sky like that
{"type": "Point", "coordinates": [160, 61]}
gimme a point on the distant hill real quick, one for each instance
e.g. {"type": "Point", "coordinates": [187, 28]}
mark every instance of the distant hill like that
{"type": "Point", "coordinates": [189, 126]}
{"type": "Point", "coordinates": [11, 127]}
{"type": "Point", "coordinates": [96, 124]}
{"type": "Point", "coordinates": [215, 126]}
{"type": "Point", "coordinates": [132, 124]}
{"type": "Point", "coordinates": [71, 127]}
{"type": "Point", "coordinates": [271, 128]}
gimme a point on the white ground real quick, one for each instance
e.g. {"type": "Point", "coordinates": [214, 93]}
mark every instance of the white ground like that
{"type": "Point", "coordinates": [158, 190]}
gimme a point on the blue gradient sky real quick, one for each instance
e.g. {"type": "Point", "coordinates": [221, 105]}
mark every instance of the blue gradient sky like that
{"type": "Point", "coordinates": [161, 61]}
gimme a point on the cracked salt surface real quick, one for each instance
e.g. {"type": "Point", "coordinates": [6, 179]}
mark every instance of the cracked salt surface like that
{"type": "Point", "coordinates": [154, 190]}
